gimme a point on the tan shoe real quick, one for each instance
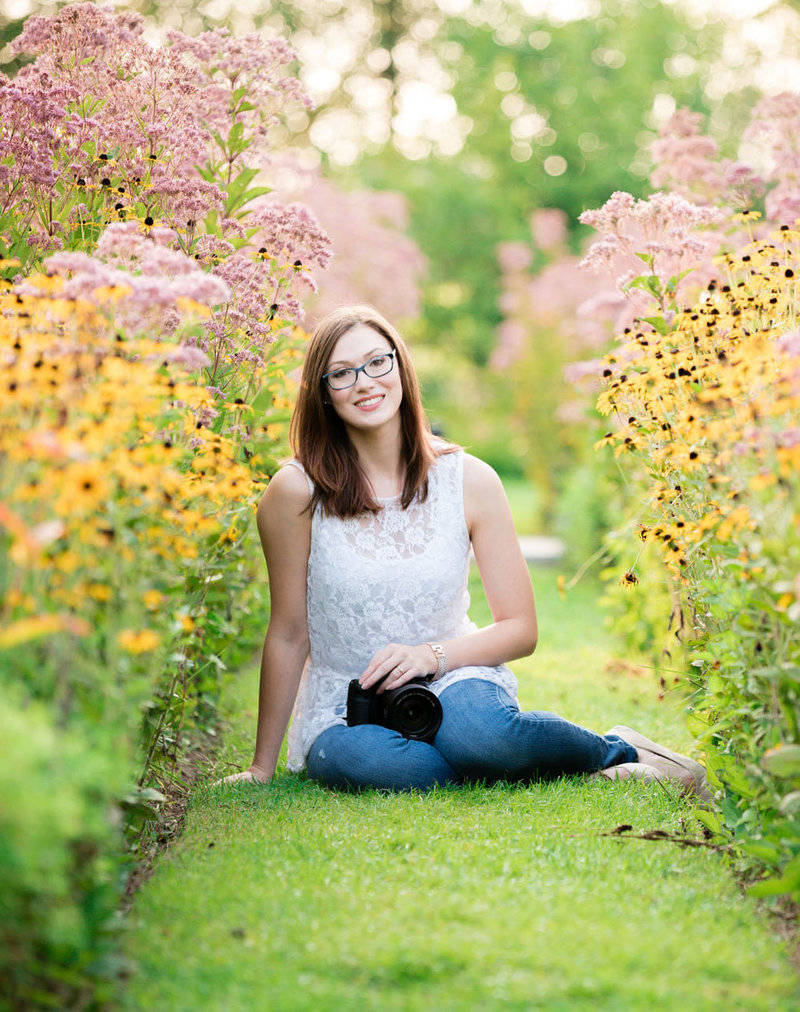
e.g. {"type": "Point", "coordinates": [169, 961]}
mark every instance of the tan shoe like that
{"type": "Point", "coordinates": [624, 771]}
{"type": "Point", "coordinates": [672, 765]}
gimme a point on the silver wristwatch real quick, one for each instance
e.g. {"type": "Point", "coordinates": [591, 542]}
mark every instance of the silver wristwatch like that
{"type": "Point", "coordinates": [441, 658]}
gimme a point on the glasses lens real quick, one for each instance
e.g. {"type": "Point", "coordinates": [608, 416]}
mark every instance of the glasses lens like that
{"type": "Point", "coordinates": [341, 378]}
{"type": "Point", "coordinates": [379, 365]}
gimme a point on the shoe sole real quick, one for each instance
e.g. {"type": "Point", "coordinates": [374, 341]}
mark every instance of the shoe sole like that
{"type": "Point", "coordinates": [630, 771]}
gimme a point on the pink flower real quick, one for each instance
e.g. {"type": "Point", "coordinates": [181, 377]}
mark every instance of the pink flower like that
{"type": "Point", "coordinates": [374, 260]}
{"type": "Point", "coordinates": [608, 218]}
{"type": "Point", "coordinates": [789, 343]}
{"type": "Point", "coordinates": [687, 162]}
{"type": "Point", "coordinates": [549, 229]}
{"type": "Point", "coordinates": [189, 357]}
{"type": "Point", "coordinates": [664, 227]}
{"type": "Point", "coordinates": [513, 256]}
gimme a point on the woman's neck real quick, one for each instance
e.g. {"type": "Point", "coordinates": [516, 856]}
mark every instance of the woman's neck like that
{"type": "Point", "coordinates": [380, 457]}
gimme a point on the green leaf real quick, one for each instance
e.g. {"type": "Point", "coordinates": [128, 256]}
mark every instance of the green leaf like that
{"type": "Point", "coordinates": [787, 882]}
{"type": "Point", "coordinates": [236, 142]}
{"type": "Point", "coordinates": [782, 761]}
{"type": "Point", "coordinates": [710, 820]}
{"type": "Point", "coordinates": [643, 281]}
{"type": "Point", "coordinates": [769, 887]}
{"type": "Point", "coordinates": [240, 192]}
{"type": "Point", "coordinates": [207, 172]}
{"type": "Point", "coordinates": [263, 399]}
{"type": "Point", "coordinates": [251, 194]}
{"type": "Point", "coordinates": [658, 323]}
{"type": "Point", "coordinates": [766, 852]}
{"type": "Point", "coordinates": [790, 803]}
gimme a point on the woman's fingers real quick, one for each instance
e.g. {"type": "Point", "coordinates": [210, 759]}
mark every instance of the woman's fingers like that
{"type": "Point", "coordinates": [392, 667]}
{"type": "Point", "coordinates": [249, 775]}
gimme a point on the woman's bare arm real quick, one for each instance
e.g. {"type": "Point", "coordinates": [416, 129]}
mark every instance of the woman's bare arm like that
{"type": "Point", "coordinates": [284, 525]}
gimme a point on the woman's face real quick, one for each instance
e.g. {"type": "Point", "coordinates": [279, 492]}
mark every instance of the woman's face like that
{"type": "Point", "coordinates": [371, 401]}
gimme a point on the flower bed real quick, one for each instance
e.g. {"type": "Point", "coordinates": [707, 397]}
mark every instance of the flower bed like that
{"type": "Point", "coordinates": [149, 317]}
{"type": "Point", "coordinates": [704, 391]}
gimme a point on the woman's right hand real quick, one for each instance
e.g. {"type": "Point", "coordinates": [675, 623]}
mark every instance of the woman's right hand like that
{"type": "Point", "coordinates": [253, 774]}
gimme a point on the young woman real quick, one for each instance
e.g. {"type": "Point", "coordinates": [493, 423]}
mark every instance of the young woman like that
{"type": "Point", "coordinates": [367, 535]}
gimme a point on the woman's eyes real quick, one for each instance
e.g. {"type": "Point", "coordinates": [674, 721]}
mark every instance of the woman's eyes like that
{"type": "Point", "coordinates": [340, 374]}
{"type": "Point", "coordinates": [378, 361]}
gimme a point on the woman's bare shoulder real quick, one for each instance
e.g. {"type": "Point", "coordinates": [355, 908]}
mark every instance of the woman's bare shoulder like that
{"type": "Point", "coordinates": [479, 476]}
{"type": "Point", "coordinates": [288, 490]}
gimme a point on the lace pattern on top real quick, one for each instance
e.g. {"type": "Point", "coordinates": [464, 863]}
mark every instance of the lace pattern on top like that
{"type": "Point", "coordinates": [394, 576]}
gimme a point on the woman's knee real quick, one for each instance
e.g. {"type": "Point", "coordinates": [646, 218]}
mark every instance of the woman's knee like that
{"type": "Point", "coordinates": [477, 736]}
{"type": "Point", "coordinates": [371, 756]}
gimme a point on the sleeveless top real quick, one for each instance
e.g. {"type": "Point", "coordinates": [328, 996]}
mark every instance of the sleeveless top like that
{"type": "Point", "coordinates": [397, 576]}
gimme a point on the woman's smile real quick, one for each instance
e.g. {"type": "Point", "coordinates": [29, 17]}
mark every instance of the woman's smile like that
{"type": "Point", "coordinates": [368, 403]}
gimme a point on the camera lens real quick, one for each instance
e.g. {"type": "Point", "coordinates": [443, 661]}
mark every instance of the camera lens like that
{"type": "Point", "coordinates": [414, 711]}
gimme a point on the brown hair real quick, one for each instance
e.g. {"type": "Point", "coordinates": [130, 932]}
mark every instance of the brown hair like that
{"type": "Point", "coordinates": [319, 438]}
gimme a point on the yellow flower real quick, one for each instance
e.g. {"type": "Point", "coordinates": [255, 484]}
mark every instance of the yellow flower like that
{"type": "Point", "coordinates": [112, 293]}
{"type": "Point", "coordinates": [138, 642]}
{"type": "Point", "coordinates": [747, 216]}
{"type": "Point", "coordinates": [152, 599]}
{"type": "Point", "coordinates": [187, 305]}
{"type": "Point", "coordinates": [26, 629]}
{"type": "Point", "coordinates": [83, 486]}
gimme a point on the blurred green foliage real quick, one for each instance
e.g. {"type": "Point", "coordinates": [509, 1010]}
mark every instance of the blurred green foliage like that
{"type": "Point", "coordinates": [586, 96]}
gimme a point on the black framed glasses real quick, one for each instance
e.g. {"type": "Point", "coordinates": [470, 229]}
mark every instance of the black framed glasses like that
{"type": "Point", "coordinates": [378, 365]}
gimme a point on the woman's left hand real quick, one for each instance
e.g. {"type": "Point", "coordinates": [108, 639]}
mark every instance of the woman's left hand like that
{"type": "Point", "coordinates": [399, 663]}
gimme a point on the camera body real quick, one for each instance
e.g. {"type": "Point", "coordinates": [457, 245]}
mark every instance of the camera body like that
{"type": "Point", "coordinates": [413, 709]}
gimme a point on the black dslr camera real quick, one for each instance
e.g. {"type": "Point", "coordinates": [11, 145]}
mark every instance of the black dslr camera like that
{"type": "Point", "coordinates": [412, 709]}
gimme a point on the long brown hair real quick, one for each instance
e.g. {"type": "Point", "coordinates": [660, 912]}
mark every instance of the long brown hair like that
{"type": "Point", "coordinates": [319, 438]}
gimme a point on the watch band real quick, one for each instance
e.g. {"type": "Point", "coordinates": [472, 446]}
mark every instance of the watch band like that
{"type": "Point", "coordinates": [441, 659]}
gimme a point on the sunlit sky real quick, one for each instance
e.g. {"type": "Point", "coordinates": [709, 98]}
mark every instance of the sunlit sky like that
{"type": "Point", "coordinates": [762, 48]}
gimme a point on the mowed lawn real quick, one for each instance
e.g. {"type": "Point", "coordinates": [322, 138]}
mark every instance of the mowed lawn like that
{"type": "Point", "coordinates": [288, 897]}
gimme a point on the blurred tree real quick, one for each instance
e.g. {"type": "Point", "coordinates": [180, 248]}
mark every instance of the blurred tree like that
{"type": "Point", "coordinates": [558, 116]}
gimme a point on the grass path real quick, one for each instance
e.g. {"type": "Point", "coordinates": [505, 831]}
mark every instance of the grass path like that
{"type": "Point", "coordinates": [289, 898]}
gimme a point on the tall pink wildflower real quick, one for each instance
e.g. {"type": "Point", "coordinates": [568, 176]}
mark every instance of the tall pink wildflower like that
{"type": "Point", "coordinates": [148, 156]}
{"type": "Point", "coordinates": [775, 123]}
{"type": "Point", "coordinates": [687, 162]}
{"type": "Point", "coordinates": [664, 229]}
{"type": "Point", "coordinates": [546, 306]}
{"type": "Point", "coordinates": [374, 260]}
{"type": "Point", "coordinates": [137, 120]}
{"type": "Point", "coordinates": [153, 276]}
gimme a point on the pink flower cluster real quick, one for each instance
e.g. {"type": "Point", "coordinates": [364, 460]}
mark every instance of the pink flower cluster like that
{"type": "Point", "coordinates": [663, 228]}
{"type": "Point", "coordinates": [126, 124]}
{"type": "Point", "coordinates": [687, 163]}
{"type": "Point", "coordinates": [375, 261]}
{"type": "Point", "coordinates": [154, 277]}
{"type": "Point", "coordinates": [775, 123]}
{"type": "Point", "coordinates": [113, 146]}
{"type": "Point", "coordinates": [558, 305]}
{"type": "Point", "coordinates": [233, 68]}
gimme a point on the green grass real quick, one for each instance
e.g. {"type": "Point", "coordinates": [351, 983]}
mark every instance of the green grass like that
{"type": "Point", "coordinates": [289, 897]}
{"type": "Point", "coordinates": [525, 504]}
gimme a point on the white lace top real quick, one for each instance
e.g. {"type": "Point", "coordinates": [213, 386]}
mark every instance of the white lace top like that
{"type": "Point", "coordinates": [396, 576]}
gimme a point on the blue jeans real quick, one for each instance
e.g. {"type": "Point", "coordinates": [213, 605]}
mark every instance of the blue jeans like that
{"type": "Point", "coordinates": [483, 736]}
